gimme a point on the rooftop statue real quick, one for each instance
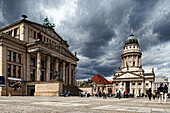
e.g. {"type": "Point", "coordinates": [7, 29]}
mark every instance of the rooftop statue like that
{"type": "Point", "coordinates": [47, 23]}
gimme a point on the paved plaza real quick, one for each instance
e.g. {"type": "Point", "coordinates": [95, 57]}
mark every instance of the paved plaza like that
{"type": "Point", "coordinates": [19, 104]}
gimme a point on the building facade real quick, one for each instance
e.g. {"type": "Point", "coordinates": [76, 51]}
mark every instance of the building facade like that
{"type": "Point", "coordinates": [132, 78]}
{"type": "Point", "coordinates": [98, 84]}
{"type": "Point", "coordinates": [35, 60]}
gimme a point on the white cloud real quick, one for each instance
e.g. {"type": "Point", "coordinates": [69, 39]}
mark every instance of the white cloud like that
{"type": "Point", "coordinates": [157, 57]}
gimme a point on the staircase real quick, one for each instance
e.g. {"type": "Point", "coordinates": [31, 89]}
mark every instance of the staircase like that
{"type": "Point", "coordinates": [74, 90]}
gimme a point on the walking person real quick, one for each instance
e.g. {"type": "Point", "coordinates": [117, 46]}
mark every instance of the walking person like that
{"type": "Point", "coordinates": [161, 91]}
{"type": "Point", "coordinates": [65, 93]}
{"type": "Point", "coordinates": [149, 94]}
{"type": "Point", "coordinates": [104, 94]}
{"type": "Point", "coordinates": [165, 93]}
{"type": "Point", "coordinates": [154, 95]}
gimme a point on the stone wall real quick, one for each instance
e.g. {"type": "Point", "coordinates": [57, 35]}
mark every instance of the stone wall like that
{"type": "Point", "coordinates": [48, 89]}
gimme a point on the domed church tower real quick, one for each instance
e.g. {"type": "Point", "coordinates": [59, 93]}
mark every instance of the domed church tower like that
{"type": "Point", "coordinates": [131, 78]}
{"type": "Point", "coordinates": [131, 56]}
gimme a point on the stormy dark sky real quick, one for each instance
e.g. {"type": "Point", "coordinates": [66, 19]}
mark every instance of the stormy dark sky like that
{"type": "Point", "coordinates": [97, 30]}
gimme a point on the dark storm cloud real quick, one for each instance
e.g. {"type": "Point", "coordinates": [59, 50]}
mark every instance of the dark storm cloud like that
{"type": "Point", "coordinates": [13, 9]}
{"type": "Point", "coordinates": [97, 29]}
{"type": "Point", "coordinates": [162, 27]}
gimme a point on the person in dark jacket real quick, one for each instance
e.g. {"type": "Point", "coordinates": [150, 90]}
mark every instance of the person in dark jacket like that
{"type": "Point", "coordinates": [149, 94]}
{"type": "Point", "coordinates": [165, 93]}
{"type": "Point", "coordinates": [161, 91]}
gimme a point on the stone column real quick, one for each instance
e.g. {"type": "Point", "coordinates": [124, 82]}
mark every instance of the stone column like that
{"type": "Point", "coordinates": [136, 88]}
{"type": "Point", "coordinates": [113, 88]}
{"type": "Point", "coordinates": [38, 66]}
{"type": "Point", "coordinates": [130, 87]}
{"type": "Point", "coordinates": [143, 85]}
{"type": "Point", "coordinates": [64, 72]}
{"type": "Point", "coordinates": [48, 69]}
{"type": "Point", "coordinates": [66, 75]}
{"type": "Point", "coordinates": [57, 65]}
{"type": "Point", "coordinates": [137, 61]}
{"type": "Point", "coordinates": [124, 86]}
{"type": "Point", "coordinates": [69, 73]}
{"type": "Point", "coordinates": [28, 60]}
{"type": "Point", "coordinates": [74, 76]}
{"type": "Point", "coordinates": [132, 61]}
{"type": "Point", "coordinates": [153, 87]}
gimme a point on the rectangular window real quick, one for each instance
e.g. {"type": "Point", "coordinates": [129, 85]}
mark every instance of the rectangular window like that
{"type": "Point", "coordinates": [51, 75]}
{"type": "Point", "coordinates": [34, 35]}
{"type": "Point", "coordinates": [42, 64]}
{"type": "Point", "coordinates": [32, 61]}
{"type": "Point", "coordinates": [19, 71]}
{"type": "Point", "coordinates": [19, 58]}
{"type": "Point", "coordinates": [42, 75]}
{"type": "Point", "coordinates": [51, 66]}
{"type": "Point", "coordinates": [47, 39]}
{"type": "Point", "coordinates": [44, 39]}
{"type": "Point", "coordinates": [32, 72]}
{"type": "Point", "coordinates": [14, 56]}
{"type": "Point", "coordinates": [14, 70]}
{"type": "Point", "coordinates": [15, 32]}
{"type": "Point", "coordinates": [72, 80]}
{"type": "Point", "coordinates": [9, 55]}
{"type": "Point", "coordinates": [9, 69]}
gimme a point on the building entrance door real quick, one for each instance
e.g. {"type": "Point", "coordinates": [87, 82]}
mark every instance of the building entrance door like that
{"type": "Point", "coordinates": [30, 90]}
{"type": "Point", "coordinates": [128, 87]}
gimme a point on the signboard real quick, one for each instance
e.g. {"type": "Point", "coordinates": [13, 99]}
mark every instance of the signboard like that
{"type": "Point", "coordinates": [2, 81]}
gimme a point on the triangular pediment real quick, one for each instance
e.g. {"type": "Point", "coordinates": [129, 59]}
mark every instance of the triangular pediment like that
{"type": "Point", "coordinates": [49, 31]}
{"type": "Point", "coordinates": [129, 75]}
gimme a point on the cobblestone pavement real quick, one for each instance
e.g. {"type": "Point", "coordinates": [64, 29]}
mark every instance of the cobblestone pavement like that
{"type": "Point", "coordinates": [26, 104]}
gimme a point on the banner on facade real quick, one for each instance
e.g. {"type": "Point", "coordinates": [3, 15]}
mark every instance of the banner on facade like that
{"type": "Point", "coordinates": [14, 82]}
{"type": "Point", "coordinates": [2, 81]}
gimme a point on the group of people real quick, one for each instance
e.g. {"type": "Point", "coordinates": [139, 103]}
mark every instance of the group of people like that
{"type": "Point", "coordinates": [67, 93]}
{"type": "Point", "coordinates": [162, 92]}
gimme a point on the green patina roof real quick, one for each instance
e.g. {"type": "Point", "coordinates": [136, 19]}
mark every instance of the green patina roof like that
{"type": "Point", "coordinates": [131, 39]}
